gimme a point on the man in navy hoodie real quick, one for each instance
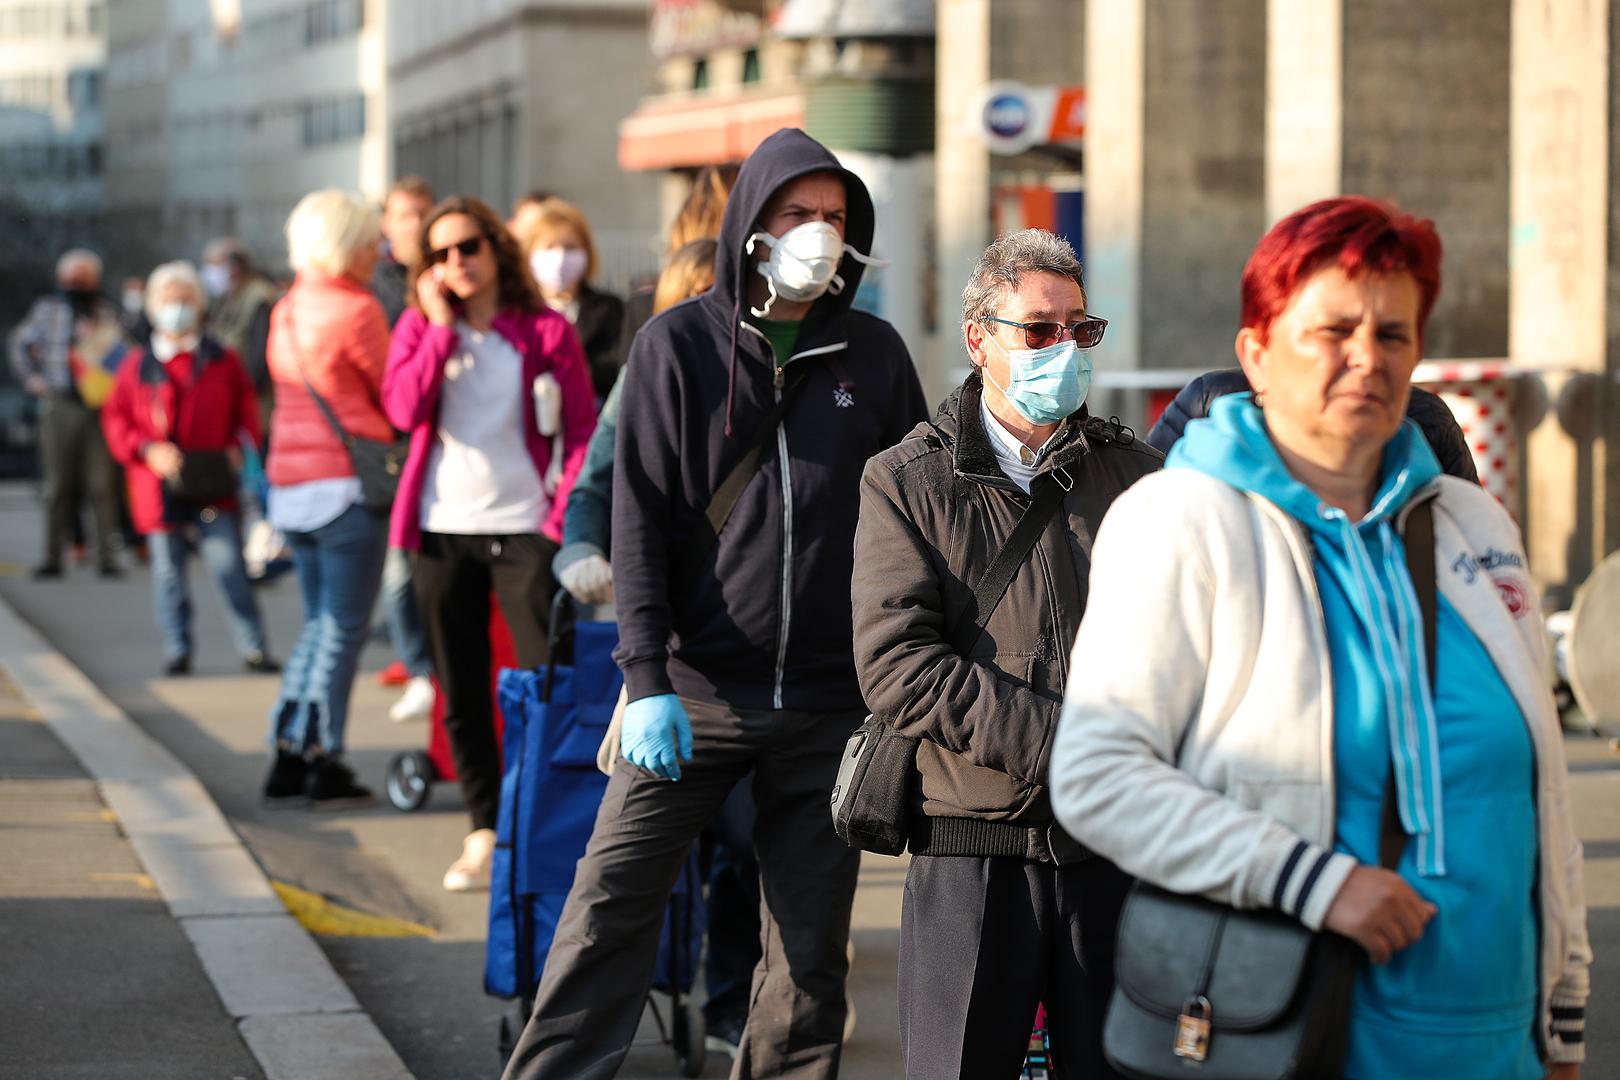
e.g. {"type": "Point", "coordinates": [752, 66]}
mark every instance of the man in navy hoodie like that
{"type": "Point", "coordinates": [735, 631]}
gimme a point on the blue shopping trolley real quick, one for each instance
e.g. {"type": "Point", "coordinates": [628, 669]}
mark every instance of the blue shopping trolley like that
{"type": "Point", "coordinates": [556, 716]}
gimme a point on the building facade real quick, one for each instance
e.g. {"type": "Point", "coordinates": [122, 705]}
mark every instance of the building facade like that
{"type": "Point", "coordinates": [52, 156]}
{"type": "Point", "coordinates": [225, 114]}
{"type": "Point", "coordinates": [500, 98]}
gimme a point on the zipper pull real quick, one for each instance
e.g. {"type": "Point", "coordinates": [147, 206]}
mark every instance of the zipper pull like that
{"type": "Point", "coordinates": [779, 379]}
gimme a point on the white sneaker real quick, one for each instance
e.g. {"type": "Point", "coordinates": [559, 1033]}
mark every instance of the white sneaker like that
{"type": "Point", "coordinates": [416, 703]}
{"type": "Point", "coordinates": [470, 873]}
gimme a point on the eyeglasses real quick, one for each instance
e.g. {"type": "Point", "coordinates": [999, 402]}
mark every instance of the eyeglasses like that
{"type": "Point", "coordinates": [468, 248]}
{"type": "Point", "coordinates": [1087, 333]}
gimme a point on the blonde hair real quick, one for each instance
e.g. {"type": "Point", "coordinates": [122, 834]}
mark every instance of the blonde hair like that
{"type": "Point", "coordinates": [705, 206]}
{"type": "Point", "coordinates": [327, 228]}
{"type": "Point", "coordinates": [179, 272]}
{"type": "Point", "coordinates": [555, 213]}
{"type": "Point", "coordinates": [690, 271]}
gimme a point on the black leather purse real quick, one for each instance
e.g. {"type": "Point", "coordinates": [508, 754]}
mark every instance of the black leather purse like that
{"type": "Point", "coordinates": [871, 799]}
{"type": "Point", "coordinates": [1202, 989]}
{"type": "Point", "coordinates": [206, 477]}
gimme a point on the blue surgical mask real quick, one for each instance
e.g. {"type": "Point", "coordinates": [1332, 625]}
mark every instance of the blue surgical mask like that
{"type": "Point", "coordinates": [1045, 385]}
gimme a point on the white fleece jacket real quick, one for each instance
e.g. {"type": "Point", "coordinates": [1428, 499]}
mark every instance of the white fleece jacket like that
{"type": "Point", "coordinates": [1195, 748]}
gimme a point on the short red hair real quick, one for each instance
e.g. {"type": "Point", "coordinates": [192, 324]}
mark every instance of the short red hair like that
{"type": "Point", "coordinates": [1355, 233]}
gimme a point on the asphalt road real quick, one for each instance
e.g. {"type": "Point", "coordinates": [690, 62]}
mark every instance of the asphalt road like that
{"type": "Point", "coordinates": [425, 992]}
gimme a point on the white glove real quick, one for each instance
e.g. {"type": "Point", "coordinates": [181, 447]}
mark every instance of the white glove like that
{"type": "Point", "coordinates": [547, 404]}
{"type": "Point", "coordinates": [589, 579]}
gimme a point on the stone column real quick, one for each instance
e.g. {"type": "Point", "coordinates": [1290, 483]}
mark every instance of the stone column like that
{"type": "Point", "coordinates": [961, 179]}
{"type": "Point", "coordinates": [1174, 178]}
{"type": "Point", "coordinates": [1563, 297]}
{"type": "Point", "coordinates": [1405, 101]}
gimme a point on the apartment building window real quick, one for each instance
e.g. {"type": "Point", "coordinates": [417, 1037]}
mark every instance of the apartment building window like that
{"type": "Point", "coordinates": [700, 74]}
{"type": "Point", "coordinates": [333, 120]}
{"type": "Point", "coordinates": [750, 72]}
{"type": "Point", "coordinates": [328, 20]}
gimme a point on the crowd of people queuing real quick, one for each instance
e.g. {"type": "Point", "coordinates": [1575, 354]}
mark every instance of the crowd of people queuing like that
{"type": "Point", "coordinates": [1215, 659]}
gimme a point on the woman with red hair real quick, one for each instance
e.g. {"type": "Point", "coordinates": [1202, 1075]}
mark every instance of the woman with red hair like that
{"type": "Point", "coordinates": [1309, 680]}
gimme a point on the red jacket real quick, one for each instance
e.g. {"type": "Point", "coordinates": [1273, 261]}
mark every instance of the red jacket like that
{"type": "Point", "coordinates": [202, 400]}
{"type": "Point", "coordinates": [332, 331]}
{"type": "Point", "coordinates": [547, 343]}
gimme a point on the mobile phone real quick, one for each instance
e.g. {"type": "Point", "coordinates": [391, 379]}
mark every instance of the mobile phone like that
{"type": "Point", "coordinates": [455, 302]}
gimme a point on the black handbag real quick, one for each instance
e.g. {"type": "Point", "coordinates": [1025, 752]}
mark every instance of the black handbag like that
{"type": "Point", "coordinates": [206, 477]}
{"type": "Point", "coordinates": [1203, 989]}
{"type": "Point", "coordinates": [871, 798]}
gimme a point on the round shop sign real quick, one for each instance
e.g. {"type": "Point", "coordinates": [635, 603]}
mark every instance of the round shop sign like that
{"type": "Point", "coordinates": [1008, 118]}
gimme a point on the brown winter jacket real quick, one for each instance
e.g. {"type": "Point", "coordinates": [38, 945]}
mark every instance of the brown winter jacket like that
{"type": "Point", "coordinates": [935, 511]}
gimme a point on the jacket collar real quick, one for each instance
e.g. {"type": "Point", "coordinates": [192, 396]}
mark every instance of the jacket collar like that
{"type": "Point", "coordinates": [154, 371]}
{"type": "Point", "coordinates": [959, 423]}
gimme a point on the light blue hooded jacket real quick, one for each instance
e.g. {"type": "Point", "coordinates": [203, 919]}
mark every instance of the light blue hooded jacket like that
{"type": "Point", "coordinates": [1462, 1001]}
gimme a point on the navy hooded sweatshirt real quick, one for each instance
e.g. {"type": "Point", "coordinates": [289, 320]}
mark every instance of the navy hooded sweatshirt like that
{"type": "Point", "coordinates": [766, 623]}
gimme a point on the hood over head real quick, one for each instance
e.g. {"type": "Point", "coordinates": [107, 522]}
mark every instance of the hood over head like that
{"type": "Point", "coordinates": [784, 156]}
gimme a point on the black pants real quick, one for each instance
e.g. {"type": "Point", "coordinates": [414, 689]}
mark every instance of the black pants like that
{"type": "Point", "coordinates": [601, 962]}
{"type": "Point", "coordinates": [983, 941]}
{"type": "Point", "coordinates": [453, 576]}
{"type": "Point", "coordinates": [734, 949]}
{"type": "Point", "coordinates": [74, 467]}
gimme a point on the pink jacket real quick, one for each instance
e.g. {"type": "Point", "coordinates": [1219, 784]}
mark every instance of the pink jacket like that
{"type": "Point", "coordinates": [415, 376]}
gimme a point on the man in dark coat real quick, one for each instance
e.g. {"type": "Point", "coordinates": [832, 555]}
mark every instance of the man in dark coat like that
{"type": "Point", "coordinates": [736, 647]}
{"type": "Point", "coordinates": [1003, 910]}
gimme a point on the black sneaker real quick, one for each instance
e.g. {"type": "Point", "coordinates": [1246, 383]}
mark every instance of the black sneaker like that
{"type": "Point", "coordinates": [180, 665]}
{"type": "Point", "coordinates": [259, 664]}
{"type": "Point", "coordinates": [331, 786]}
{"type": "Point", "coordinates": [725, 1036]}
{"type": "Point", "coordinates": [47, 571]}
{"type": "Point", "coordinates": [288, 776]}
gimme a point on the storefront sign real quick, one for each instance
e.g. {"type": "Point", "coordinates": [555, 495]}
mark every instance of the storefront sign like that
{"type": "Point", "coordinates": [1011, 117]}
{"type": "Point", "coordinates": [695, 27]}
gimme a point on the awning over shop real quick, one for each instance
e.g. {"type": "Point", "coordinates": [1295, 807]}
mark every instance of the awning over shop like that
{"type": "Point", "coordinates": [687, 133]}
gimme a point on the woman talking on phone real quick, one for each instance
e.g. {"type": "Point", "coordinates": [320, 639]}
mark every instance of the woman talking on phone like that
{"type": "Point", "coordinates": [465, 372]}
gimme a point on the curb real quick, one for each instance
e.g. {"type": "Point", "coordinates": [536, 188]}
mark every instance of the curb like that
{"type": "Point", "coordinates": [296, 1015]}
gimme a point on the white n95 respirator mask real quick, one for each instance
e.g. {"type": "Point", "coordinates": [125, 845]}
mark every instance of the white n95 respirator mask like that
{"type": "Point", "coordinates": [803, 263]}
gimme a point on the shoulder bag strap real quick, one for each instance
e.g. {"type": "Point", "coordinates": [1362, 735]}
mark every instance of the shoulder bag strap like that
{"type": "Point", "coordinates": [1048, 498]}
{"type": "Point", "coordinates": [1419, 541]}
{"type": "Point", "coordinates": [298, 358]}
{"type": "Point", "coordinates": [724, 499]}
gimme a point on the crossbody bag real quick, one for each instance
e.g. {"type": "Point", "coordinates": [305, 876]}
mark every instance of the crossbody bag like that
{"type": "Point", "coordinates": [871, 799]}
{"type": "Point", "coordinates": [1203, 989]}
{"type": "Point", "coordinates": [377, 464]}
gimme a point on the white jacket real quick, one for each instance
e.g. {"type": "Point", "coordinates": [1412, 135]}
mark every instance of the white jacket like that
{"type": "Point", "coordinates": [1181, 755]}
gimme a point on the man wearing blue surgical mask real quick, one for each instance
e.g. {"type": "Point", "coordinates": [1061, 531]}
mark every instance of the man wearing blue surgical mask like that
{"type": "Point", "coordinates": [976, 674]}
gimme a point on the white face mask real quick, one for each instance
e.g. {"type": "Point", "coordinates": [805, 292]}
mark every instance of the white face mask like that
{"type": "Point", "coordinates": [175, 318]}
{"type": "Point", "coordinates": [803, 263]}
{"type": "Point", "coordinates": [558, 269]}
{"type": "Point", "coordinates": [134, 302]}
{"type": "Point", "coordinates": [216, 278]}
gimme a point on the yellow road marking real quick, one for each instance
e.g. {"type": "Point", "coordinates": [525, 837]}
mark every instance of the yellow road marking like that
{"type": "Point", "coordinates": [143, 880]}
{"type": "Point", "coordinates": [328, 919]}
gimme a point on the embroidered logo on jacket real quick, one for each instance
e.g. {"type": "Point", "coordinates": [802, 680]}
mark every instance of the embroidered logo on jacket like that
{"type": "Point", "coordinates": [842, 397]}
{"type": "Point", "coordinates": [1470, 566]}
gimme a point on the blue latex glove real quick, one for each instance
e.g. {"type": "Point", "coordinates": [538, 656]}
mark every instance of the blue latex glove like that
{"type": "Point", "coordinates": [656, 735]}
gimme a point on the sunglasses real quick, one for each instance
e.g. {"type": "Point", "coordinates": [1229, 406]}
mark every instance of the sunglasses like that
{"type": "Point", "coordinates": [1087, 333]}
{"type": "Point", "coordinates": [468, 248]}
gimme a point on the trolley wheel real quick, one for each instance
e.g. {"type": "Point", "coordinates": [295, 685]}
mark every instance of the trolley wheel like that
{"type": "Point", "coordinates": [410, 779]}
{"type": "Point", "coordinates": [686, 1036]}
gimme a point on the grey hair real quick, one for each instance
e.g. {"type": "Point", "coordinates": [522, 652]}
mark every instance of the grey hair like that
{"type": "Point", "coordinates": [1005, 262]}
{"type": "Point", "coordinates": [77, 257]}
{"type": "Point", "coordinates": [178, 272]}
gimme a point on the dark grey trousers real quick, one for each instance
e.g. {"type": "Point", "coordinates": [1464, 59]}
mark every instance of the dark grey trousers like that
{"type": "Point", "coordinates": [74, 467]}
{"type": "Point", "coordinates": [601, 962]}
{"type": "Point", "coordinates": [983, 942]}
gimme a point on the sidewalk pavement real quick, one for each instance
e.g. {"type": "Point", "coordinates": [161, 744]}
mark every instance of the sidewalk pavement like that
{"type": "Point", "coordinates": [140, 937]}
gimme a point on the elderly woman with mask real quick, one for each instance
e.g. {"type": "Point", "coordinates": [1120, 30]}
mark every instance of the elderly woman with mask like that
{"type": "Point", "coordinates": [179, 410]}
{"type": "Point", "coordinates": [1253, 719]}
